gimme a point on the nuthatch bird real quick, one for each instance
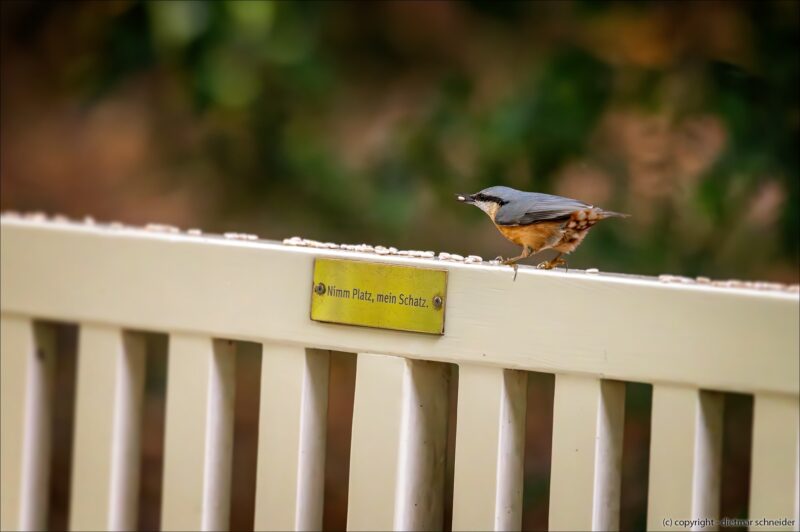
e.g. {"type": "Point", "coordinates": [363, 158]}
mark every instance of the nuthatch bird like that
{"type": "Point", "coordinates": [538, 221]}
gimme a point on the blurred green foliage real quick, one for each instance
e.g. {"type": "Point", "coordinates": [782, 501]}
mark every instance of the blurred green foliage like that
{"type": "Point", "coordinates": [358, 122]}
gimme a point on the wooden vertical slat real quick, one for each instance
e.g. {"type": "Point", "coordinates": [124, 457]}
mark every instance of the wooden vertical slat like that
{"type": "Point", "coordinates": [105, 477]}
{"type": "Point", "coordinates": [707, 474]}
{"type": "Point", "coordinates": [27, 362]}
{"type": "Point", "coordinates": [375, 442]}
{"type": "Point", "coordinates": [588, 421]}
{"type": "Point", "coordinates": [199, 434]}
{"type": "Point", "coordinates": [291, 441]}
{"type": "Point", "coordinates": [397, 460]}
{"type": "Point", "coordinates": [490, 432]}
{"type": "Point", "coordinates": [774, 480]}
{"type": "Point", "coordinates": [672, 437]}
{"type": "Point", "coordinates": [685, 458]}
{"type": "Point", "coordinates": [423, 442]}
{"type": "Point", "coordinates": [17, 354]}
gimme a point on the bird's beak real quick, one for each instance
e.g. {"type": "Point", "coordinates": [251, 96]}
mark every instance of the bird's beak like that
{"type": "Point", "coordinates": [465, 198]}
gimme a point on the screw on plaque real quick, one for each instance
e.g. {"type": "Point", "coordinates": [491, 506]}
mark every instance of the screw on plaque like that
{"type": "Point", "coordinates": [437, 302]}
{"type": "Point", "coordinates": [320, 288]}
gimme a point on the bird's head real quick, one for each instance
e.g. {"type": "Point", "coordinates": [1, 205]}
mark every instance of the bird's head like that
{"type": "Point", "coordinates": [489, 199]}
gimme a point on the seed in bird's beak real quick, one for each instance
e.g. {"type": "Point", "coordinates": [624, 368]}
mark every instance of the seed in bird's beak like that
{"type": "Point", "coordinates": [464, 198]}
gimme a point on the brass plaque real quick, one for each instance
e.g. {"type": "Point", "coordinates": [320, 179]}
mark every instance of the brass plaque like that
{"type": "Point", "coordinates": [372, 294]}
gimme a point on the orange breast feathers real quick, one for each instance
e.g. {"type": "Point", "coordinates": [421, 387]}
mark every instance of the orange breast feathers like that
{"type": "Point", "coordinates": [536, 236]}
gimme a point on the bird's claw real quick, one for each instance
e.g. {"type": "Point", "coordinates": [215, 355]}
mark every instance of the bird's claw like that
{"type": "Point", "coordinates": [550, 264]}
{"type": "Point", "coordinates": [513, 264]}
{"type": "Point", "coordinates": [509, 262]}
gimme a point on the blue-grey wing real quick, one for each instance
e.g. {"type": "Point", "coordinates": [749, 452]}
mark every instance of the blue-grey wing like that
{"type": "Point", "coordinates": [533, 208]}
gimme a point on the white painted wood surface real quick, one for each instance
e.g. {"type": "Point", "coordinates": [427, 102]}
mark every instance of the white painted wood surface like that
{"type": "Point", "coordinates": [585, 476]}
{"type": "Point", "coordinates": [105, 475]}
{"type": "Point", "coordinates": [199, 433]}
{"type": "Point", "coordinates": [150, 280]}
{"type": "Point", "coordinates": [291, 441]}
{"type": "Point", "coordinates": [27, 354]}
{"type": "Point", "coordinates": [490, 429]}
{"type": "Point", "coordinates": [774, 478]}
{"type": "Point", "coordinates": [397, 457]}
{"type": "Point", "coordinates": [690, 338]}
{"type": "Point", "coordinates": [685, 457]}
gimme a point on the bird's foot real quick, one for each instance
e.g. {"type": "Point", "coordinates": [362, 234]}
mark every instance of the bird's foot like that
{"type": "Point", "coordinates": [550, 264]}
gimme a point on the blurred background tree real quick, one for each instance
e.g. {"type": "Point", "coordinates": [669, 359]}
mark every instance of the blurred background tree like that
{"type": "Point", "coordinates": [357, 122]}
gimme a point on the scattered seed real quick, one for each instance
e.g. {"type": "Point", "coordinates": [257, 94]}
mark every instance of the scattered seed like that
{"type": "Point", "coordinates": [36, 216]}
{"type": "Point", "coordinates": [162, 228]}
{"type": "Point", "coordinates": [241, 236]}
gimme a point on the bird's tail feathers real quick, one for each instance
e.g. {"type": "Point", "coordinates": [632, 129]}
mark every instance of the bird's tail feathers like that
{"type": "Point", "coordinates": [612, 214]}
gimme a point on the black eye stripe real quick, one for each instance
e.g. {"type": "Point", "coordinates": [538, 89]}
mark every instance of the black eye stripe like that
{"type": "Point", "coordinates": [484, 197]}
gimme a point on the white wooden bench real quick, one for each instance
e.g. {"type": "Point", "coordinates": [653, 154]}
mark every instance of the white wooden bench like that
{"type": "Point", "coordinates": [594, 332]}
